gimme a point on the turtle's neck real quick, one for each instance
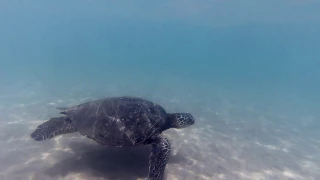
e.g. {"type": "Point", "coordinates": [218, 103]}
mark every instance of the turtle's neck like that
{"type": "Point", "coordinates": [171, 122]}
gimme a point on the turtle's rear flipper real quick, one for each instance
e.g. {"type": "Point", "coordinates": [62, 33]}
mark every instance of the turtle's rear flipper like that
{"type": "Point", "coordinates": [160, 152]}
{"type": "Point", "coordinates": [53, 127]}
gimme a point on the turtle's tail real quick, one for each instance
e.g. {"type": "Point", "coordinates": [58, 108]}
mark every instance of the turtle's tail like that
{"type": "Point", "coordinates": [53, 127]}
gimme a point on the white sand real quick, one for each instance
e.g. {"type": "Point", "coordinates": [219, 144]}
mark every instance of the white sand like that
{"type": "Point", "coordinates": [228, 141]}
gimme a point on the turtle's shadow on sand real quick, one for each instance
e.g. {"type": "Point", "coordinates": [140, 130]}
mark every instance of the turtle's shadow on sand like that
{"type": "Point", "coordinates": [107, 162]}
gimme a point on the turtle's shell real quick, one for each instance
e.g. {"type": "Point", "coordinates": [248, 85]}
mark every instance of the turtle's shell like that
{"type": "Point", "coordinates": [119, 121]}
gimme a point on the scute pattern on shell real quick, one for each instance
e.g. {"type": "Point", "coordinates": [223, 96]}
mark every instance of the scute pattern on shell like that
{"type": "Point", "coordinates": [119, 121]}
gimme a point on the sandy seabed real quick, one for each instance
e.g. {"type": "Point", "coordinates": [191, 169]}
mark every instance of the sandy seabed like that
{"type": "Point", "coordinates": [228, 141]}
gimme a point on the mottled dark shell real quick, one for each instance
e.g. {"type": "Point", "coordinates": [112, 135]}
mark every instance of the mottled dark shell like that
{"type": "Point", "coordinates": [119, 121]}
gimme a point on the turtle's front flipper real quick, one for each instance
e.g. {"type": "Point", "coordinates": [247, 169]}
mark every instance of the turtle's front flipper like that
{"type": "Point", "coordinates": [53, 127]}
{"type": "Point", "coordinates": [160, 152]}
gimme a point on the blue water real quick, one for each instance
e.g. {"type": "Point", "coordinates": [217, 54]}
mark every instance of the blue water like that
{"type": "Point", "coordinates": [259, 64]}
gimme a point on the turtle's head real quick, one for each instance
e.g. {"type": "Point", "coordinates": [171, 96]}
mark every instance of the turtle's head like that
{"type": "Point", "coordinates": [52, 128]}
{"type": "Point", "coordinates": [180, 120]}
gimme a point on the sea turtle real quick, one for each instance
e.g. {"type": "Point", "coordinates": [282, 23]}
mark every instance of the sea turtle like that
{"type": "Point", "coordinates": [120, 121]}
